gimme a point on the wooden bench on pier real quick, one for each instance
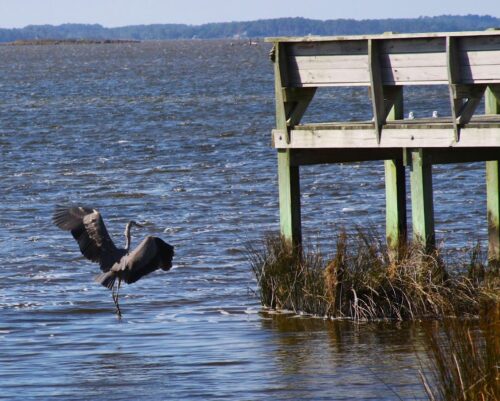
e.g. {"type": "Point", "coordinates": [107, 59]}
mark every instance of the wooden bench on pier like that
{"type": "Point", "coordinates": [468, 63]}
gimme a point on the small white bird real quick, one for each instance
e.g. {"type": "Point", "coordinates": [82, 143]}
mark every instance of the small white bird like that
{"type": "Point", "coordinates": [435, 114]}
{"type": "Point", "coordinates": [411, 115]}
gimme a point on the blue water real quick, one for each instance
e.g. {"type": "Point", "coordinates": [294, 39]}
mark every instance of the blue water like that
{"type": "Point", "coordinates": [177, 135]}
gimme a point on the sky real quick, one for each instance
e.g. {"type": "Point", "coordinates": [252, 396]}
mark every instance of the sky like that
{"type": "Point", "coordinates": [112, 13]}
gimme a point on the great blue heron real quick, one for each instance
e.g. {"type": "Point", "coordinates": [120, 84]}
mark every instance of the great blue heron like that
{"type": "Point", "coordinates": [87, 227]}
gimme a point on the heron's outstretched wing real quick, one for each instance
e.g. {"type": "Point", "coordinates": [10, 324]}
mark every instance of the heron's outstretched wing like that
{"type": "Point", "coordinates": [87, 227]}
{"type": "Point", "coordinates": [152, 253]}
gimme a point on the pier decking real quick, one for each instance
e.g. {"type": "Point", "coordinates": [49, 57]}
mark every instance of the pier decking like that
{"type": "Point", "coordinates": [467, 62]}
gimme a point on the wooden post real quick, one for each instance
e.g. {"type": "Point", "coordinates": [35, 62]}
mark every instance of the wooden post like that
{"type": "Point", "coordinates": [492, 106]}
{"type": "Point", "coordinates": [395, 184]}
{"type": "Point", "coordinates": [288, 175]}
{"type": "Point", "coordinates": [289, 196]}
{"type": "Point", "coordinates": [453, 67]}
{"type": "Point", "coordinates": [376, 87]}
{"type": "Point", "coordinates": [422, 208]}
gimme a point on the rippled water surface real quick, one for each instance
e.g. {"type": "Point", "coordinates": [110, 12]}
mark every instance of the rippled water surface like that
{"type": "Point", "coordinates": [177, 135]}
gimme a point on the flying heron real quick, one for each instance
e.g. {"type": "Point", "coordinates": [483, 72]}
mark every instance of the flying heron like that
{"type": "Point", "coordinates": [88, 229]}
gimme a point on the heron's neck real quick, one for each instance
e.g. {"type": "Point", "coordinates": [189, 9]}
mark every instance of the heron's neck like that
{"type": "Point", "coordinates": [127, 236]}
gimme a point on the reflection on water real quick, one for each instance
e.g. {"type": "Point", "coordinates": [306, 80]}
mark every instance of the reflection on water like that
{"type": "Point", "coordinates": [177, 134]}
{"type": "Point", "coordinates": [365, 361]}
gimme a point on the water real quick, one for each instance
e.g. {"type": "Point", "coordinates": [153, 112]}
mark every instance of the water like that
{"type": "Point", "coordinates": [177, 135]}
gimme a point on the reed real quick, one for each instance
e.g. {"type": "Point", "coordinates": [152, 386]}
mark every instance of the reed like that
{"type": "Point", "coordinates": [464, 360]}
{"type": "Point", "coordinates": [289, 278]}
{"type": "Point", "coordinates": [361, 281]}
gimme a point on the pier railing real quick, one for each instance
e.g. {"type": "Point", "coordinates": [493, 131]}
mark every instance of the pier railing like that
{"type": "Point", "coordinates": [467, 62]}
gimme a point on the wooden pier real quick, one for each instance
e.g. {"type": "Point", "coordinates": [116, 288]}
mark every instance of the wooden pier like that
{"type": "Point", "coordinates": [467, 62]}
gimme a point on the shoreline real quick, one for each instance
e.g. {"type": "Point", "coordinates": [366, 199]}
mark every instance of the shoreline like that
{"type": "Point", "coordinates": [44, 42]}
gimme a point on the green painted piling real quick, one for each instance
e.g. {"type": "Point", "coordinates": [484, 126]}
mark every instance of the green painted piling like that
{"type": "Point", "coordinates": [395, 204]}
{"type": "Point", "coordinates": [492, 106]}
{"type": "Point", "coordinates": [288, 175]}
{"type": "Point", "coordinates": [422, 205]}
{"type": "Point", "coordinates": [395, 185]}
{"type": "Point", "coordinates": [289, 197]}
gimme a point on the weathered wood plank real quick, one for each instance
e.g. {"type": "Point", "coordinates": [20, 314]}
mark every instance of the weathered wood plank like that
{"type": "Point", "coordinates": [329, 62]}
{"type": "Point", "coordinates": [352, 47]}
{"type": "Point", "coordinates": [346, 77]}
{"type": "Point", "coordinates": [298, 84]}
{"type": "Point", "coordinates": [412, 60]}
{"type": "Point", "coordinates": [425, 36]}
{"type": "Point", "coordinates": [466, 58]}
{"type": "Point", "coordinates": [414, 75]}
{"type": "Point", "coordinates": [394, 60]}
{"type": "Point", "coordinates": [482, 57]}
{"type": "Point", "coordinates": [337, 125]}
{"type": "Point", "coordinates": [473, 43]}
{"type": "Point", "coordinates": [483, 74]}
{"type": "Point", "coordinates": [391, 138]}
{"type": "Point", "coordinates": [401, 76]}
{"type": "Point", "coordinates": [422, 205]}
{"type": "Point", "coordinates": [413, 45]}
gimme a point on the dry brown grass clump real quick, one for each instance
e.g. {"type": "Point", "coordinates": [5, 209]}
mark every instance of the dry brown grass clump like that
{"type": "Point", "coordinates": [464, 360]}
{"type": "Point", "coordinates": [361, 282]}
{"type": "Point", "coordinates": [289, 278]}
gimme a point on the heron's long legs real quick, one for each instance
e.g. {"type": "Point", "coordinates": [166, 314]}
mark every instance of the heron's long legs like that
{"type": "Point", "coordinates": [115, 298]}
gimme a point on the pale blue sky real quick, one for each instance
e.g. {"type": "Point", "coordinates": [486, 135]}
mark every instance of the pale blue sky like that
{"type": "Point", "coordinates": [110, 13]}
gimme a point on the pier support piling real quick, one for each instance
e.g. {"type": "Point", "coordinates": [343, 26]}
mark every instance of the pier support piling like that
{"type": "Point", "coordinates": [422, 205]}
{"type": "Point", "coordinates": [395, 206]}
{"type": "Point", "coordinates": [492, 106]}
{"type": "Point", "coordinates": [290, 106]}
{"type": "Point", "coordinates": [465, 61]}
{"type": "Point", "coordinates": [395, 182]}
{"type": "Point", "coordinates": [289, 198]}
{"type": "Point", "coordinates": [493, 206]}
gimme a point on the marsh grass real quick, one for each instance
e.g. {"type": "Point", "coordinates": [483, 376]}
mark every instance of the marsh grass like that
{"type": "Point", "coordinates": [464, 359]}
{"type": "Point", "coordinates": [362, 283]}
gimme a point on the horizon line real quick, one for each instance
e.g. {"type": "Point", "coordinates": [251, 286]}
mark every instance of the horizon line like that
{"type": "Point", "coordinates": [254, 20]}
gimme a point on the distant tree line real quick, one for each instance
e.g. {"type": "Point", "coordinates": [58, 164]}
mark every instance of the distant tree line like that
{"type": "Point", "coordinates": [252, 29]}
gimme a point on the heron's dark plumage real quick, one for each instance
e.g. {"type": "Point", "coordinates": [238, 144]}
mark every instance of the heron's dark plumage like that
{"type": "Point", "coordinates": [87, 227]}
{"type": "Point", "coordinates": [151, 254]}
